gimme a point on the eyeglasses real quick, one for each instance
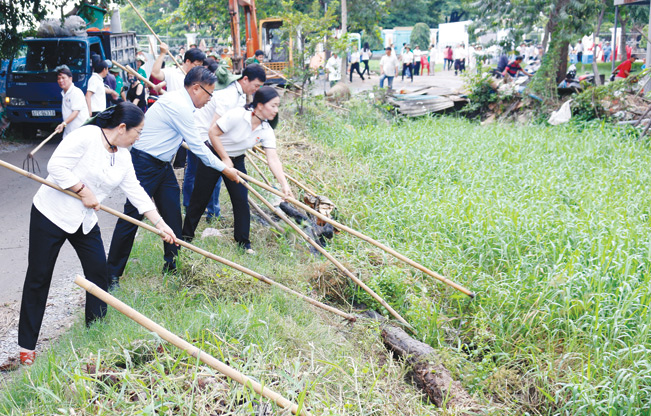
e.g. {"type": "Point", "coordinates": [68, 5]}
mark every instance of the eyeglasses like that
{"type": "Point", "coordinates": [207, 92]}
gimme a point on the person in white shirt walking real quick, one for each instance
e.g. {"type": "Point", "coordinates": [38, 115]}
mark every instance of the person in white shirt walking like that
{"type": "Point", "coordinates": [91, 162]}
{"type": "Point", "coordinates": [388, 67]}
{"type": "Point", "coordinates": [459, 59]}
{"type": "Point", "coordinates": [354, 64]}
{"type": "Point", "coordinates": [407, 63]}
{"type": "Point", "coordinates": [96, 90]}
{"type": "Point", "coordinates": [365, 57]}
{"type": "Point", "coordinates": [333, 68]}
{"type": "Point", "coordinates": [231, 136]}
{"type": "Point", "coordinates": [74, 108]}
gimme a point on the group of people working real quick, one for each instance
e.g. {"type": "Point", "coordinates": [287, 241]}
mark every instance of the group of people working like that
{"type": "Point", "coordinates": [93, 159]}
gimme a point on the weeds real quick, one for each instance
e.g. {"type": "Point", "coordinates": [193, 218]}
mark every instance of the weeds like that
{"type": "Point", "coordinates": [550, 226]}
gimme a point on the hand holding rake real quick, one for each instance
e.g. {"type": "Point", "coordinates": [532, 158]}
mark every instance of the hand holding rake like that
{"type": "Point", "coordinates": [30, 163]}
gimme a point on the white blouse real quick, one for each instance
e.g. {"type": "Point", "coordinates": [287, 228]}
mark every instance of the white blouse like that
{"type": "Point", "coordinates": [82, 157]}
{"type": "Point", "coordinates": [239, 135]}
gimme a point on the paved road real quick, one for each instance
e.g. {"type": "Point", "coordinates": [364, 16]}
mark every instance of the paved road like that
{"type": "Point", "coordinates": [17, 192]}
{"type": "Point", "coordinates": [65, 298]}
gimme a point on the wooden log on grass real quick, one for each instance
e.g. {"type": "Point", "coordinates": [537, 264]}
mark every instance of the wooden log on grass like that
{"type": "Point", "coordinates": [428, 373]}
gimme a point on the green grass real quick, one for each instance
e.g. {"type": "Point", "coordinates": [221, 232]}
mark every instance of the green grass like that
{"type": "Point", "coordinates": [308, 356]}
{"type": "Point", "coordinates": [548, 225]}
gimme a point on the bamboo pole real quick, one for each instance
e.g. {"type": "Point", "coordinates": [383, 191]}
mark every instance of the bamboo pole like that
{"type": "Point", "coordinates": [190, 349]}
{"type": "Point", "coordinates": [360, 236]}
{"type": "Point", "coordinates": [257, 168]}
{"type": "Point", "coordinates": [155, 35]}
{"type": "Point", "coordinates": [281, 75]}
{"type": "Point", "coordinates": [321, 250]}
{"type": "Point", "coordinates": [182, 243]}
{"type": "Point", "coordinates": [264, 215]}
{"type": "Point", "coordinates": [289, 178]}
{"type": "Point", "coordinates": [136, 74]}
{"type": "Point", "coordinates": [37, 148]}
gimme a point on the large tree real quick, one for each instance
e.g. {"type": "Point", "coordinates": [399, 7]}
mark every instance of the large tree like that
{"type": "Point", "coordinates": [431, 12]}
{"type": "Point", "coordinates": [18, 17]}
{"type": "Point", "coordinates": [562, 20]}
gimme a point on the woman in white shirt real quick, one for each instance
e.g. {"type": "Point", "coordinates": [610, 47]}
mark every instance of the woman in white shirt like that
{"type": "Point", "coordinates": [91, 162]}
{"type": "Point", "coordinates": [366, 56]}
{"type": "Point", "coordinates": [231, 136]}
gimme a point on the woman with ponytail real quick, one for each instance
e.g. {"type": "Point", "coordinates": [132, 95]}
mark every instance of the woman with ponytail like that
{"type": "Point", "coordinates": [91, 162]}
{"type": "Point", "coordinates": [231, 136]}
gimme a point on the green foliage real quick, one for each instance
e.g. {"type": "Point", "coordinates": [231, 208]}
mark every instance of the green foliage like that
{"type": "Point", "coordinates": [482, 91]}
{"type": "Point", "coordinates": [420, 36]}
{"type": "Point", "coordinates": [389, 284]}
{"type": "Point", "coordinates": [549, 225]}
{"type": "Point", "coordinates": [18, 18]}
{"type": "Point", "coordinates": [588, 105]}
{"type": "Point", "coordinates": [373, 38]}
{"type": "Point", "coordinates": [310, 32]}
{"type": "Point", "coordinates": [544, 82]}
{"type": "Point", "coordinates": [431, 12]}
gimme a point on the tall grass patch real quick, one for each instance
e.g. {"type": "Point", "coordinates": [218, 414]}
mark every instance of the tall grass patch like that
{"type": "Point", "coordinates": [548, 225]}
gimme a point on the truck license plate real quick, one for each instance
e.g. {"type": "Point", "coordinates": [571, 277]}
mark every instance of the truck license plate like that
{"type": "Point", "coordinates": [43, 113]}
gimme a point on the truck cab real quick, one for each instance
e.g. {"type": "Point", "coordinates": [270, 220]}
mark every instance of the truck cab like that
{"type": "Point", "coordinates": [32, 94]}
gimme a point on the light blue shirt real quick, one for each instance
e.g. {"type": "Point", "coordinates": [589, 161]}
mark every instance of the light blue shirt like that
{"type": "Point", "coordinates": [170, 121]}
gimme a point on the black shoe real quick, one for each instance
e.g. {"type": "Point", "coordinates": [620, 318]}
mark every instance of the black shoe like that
{"type": "Point", "coordinates": [169, 267]}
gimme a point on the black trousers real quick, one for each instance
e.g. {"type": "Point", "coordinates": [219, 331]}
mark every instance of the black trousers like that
{"type": "Point", "coordinates": [366, 68]}
{"type": "Point", "coordinates": [158, 180]}
{"type": "Point", "coordinates": [410, 68]}
{"type": "Point", "coordinates": [355, 67]}
{"type": "Point", "coordinates": [204, 184]}
{"type": "Point", "coordinates": [45, 241]}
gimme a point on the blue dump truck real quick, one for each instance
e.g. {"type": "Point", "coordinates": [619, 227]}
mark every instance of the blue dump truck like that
{"type": "Point", "coordinates": [33, 98]}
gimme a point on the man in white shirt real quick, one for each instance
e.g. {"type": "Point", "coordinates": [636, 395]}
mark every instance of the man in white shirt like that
{"type": "Point", "coordinates": [579, 52]}
{"type": "Point", "coordinates": [354, 63]}
{"type": "Point", "coordinates": [416, 62]}
{"type": "Point", "coordinates": [408, 63]}
{"type": "Point", "coordinates": [167, 123]}
{"type": "Point", "coordinates": [171, 74]}
{"type": "Point", "coordinates": [388, 67]}
{"type": "Point", "coordinates": [74, 108]}
{"type": "Point", "coordinates": [233, 95]}
{"type": "Point", "coordinates": [96, 90]}
{"type": "Point", "coordinates": [459, 59]}
{"type": "Point", "coordinates": [333, 68]}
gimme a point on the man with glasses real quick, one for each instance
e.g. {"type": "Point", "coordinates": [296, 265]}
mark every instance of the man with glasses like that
{"type": "Point", "coordinates": [232, 92]}
{"type": "Point", "coordinates": [167, 123]}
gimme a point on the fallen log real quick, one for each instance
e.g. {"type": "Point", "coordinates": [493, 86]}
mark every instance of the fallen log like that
{"type": "Point", "coordinates": [427, 371]}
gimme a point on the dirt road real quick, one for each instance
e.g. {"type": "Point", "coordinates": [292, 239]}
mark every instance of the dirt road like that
{"type": "Point", "coordinates": [65, 297]}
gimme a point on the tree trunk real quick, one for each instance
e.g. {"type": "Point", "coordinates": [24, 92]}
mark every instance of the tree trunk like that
{"type": "Point", "coordinates": [595, 48]}
{"type": "Point", "coordinates": [545, 41]}
{"type": "Point", "coordinates": [562, 63]}
{"type": "Point", "coordinates": [428, 372]}
{"type": "Point", "coordinates": [622, 38]}
{"type": "Point", "coordinates": [344, 29]}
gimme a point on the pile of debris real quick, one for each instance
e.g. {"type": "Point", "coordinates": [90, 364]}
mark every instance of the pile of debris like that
{"type": "Point", "coordinates": [426, 100]}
